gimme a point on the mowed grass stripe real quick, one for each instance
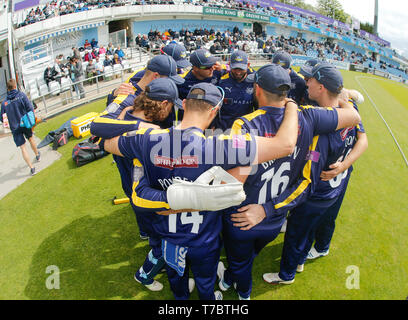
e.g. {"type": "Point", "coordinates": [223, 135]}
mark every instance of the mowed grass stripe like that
{"type": "Point", "coordinates": [63, 216]}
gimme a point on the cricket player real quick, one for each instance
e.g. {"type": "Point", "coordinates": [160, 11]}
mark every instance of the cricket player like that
{"type": "Point", "coordinates": [268, 180]}
{"type": "Point", "coordinates": [238, 90]}
{"type": "Point", "coordinates": [152, 106]}
{"type": "Point", "coordinates": [190, 240]}
{"type": "Point", "coordinates": [325, 84]}
{"type": "Point", "coordinates": [298, 88]}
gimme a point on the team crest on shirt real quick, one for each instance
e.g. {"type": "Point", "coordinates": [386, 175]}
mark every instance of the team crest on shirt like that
{"type": "Point", "coordinates": [214, 81]}
{"type": "Point", "coordinates": [250, 90]}
{"type": "Point", "coordinates": [344, 133]}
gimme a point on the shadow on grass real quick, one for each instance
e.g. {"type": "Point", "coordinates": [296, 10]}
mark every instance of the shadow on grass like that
{"type": "Point", "coordinates": [96, 257]}
{"type": "Point", "coordinates": [267, 261]}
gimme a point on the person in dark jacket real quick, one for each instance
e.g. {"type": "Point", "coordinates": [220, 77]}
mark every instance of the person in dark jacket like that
{"type": "Point", "coordinates": [15, 107]}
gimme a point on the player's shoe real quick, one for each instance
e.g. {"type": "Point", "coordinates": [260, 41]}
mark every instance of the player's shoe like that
{"type": "Point", "coordinates": [143, 236]}
{"type": "Point", "coordinates": [32, 171]}
{"type": "Point", "coordinates": [314, 254]}
{"type": "Point", "coordinates": [283, 228]}
{"type": "Point", "coordinates": [154, 286]}
{"type": "Point", "coordinates": [273, 278]}
{"type": "Point", "coordinates": [300, 268]}
{"type": "Point", "coordinates": [191, 284]}
{"type": "Point", "coordinates": [38, 156]}
{"type": "Point", "coordinates": [220, 273]}
{"type": "Point", "coordinates": [240, 298]}
{"type": "Point", "coordinates": [218, 295]}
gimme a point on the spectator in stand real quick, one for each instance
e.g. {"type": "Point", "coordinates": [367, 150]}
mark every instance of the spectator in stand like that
{"type": "Point", "coordinates": [102, 50]}
{"type": "Point", "coordinates": [138, 39]}
{"type": "Point", "coordinates": [94, 43]}
{"type": "Point", "coordinates": [49, 74]}
{"type": "Point", "coordinates": [120, 52]}
{"type": "Point", "coordinates": [99, 67]}
{"type": "Point", "coordinates": [76, 53]}
{"type": "Point", "coordinates": [77, 75]}
{"type": "Point", "coordinates": [110, 50]}
{"type": "Point", "coordinates": [89, 55]}
{"type": "Point", "coordinates": [95, 52]}
{"type": "Point", "coordinates": [116, 59]}
{"type": "Point", "coordinates": [107, 62]}
{"type": "Point", "coordinates": [91, 72]}
{"type": "Point", "coordinates": [145, 43]}
{"type": "Point", "coordinates": [87, 45]}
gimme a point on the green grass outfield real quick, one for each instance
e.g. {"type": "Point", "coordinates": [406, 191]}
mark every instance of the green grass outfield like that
{"type": "Point", "coordinates": [64, 217]}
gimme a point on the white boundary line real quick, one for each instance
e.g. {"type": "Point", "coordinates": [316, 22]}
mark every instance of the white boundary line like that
{"type": "Point", "coordinates": [379, 113]}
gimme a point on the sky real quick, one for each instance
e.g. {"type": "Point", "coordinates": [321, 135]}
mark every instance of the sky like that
{"type": "Point", "coordinates": [392, 15]}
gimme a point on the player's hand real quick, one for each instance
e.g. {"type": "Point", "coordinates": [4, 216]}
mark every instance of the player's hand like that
{"type": "Point", "coordinates": [337, 168]}
{"type": "Point", "coordinates": [248, 216]}
{"type": "Point", "coordinates": [290, 102]}
{"type": "Point", "coordinates": [217, 66]}
{"type": "Point", "coordinates": [124, 89]}
{"type": "Point", "coordinates": [123, 113]}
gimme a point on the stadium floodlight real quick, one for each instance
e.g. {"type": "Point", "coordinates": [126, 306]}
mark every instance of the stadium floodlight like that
{"type": "Point", "coordinates": [376, 18]}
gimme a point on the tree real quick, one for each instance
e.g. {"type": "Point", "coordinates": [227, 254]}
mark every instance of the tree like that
{"type": "Point", "coordinates": [367, 27]}
{"type": "Point", "coordinates": [332, 9]}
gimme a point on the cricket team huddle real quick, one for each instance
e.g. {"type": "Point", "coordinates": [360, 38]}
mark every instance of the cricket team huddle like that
{"type": "Point", "coordinates": [216, 156]}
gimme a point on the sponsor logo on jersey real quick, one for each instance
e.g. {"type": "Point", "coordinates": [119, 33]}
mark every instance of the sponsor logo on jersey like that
{"type": "Point", "coordinates": [269, 135]}
{"type": "Point", "coordinates": [228, 88]}
{"type": "Point", "coordinates": [214, 81]}
{"type": "Point", "coordinates": [344, 133]}
{"type": "Point", "coordinates": [181, 162]}
{"type": "Point", "coordinates": [250, 90]}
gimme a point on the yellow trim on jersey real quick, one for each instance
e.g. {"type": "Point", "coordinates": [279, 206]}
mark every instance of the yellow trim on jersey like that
{"type": "Point", "coordinates": [184, 74]}
{"type": "Point", "coordinates": [299, 74]}
{"type": "Point", "coordinates": [139, 131]}
{"type": "Point", "coordinates": [237, 126]}
{"type": "Point", "coordinates": [120, 98]}
{"type": "Point", "coordinates": [313, 107]}
{"type": "Point", "coordinates": [134, 73]}
{"type": "Point", "coordinates": [159, 131]}
{"type": "Point", "coordinates": [114, 121]}
{"type": "Point", "coordinates": [201, 135]}
{"type": "Point", "coordinates": [225, 76]}
{"type": "Point", "coordinates": [231, 136]}
{"type": "Point", "coordinates": [254, 115]}
{"type": "Point", "coordinates": [307, 179]}
{"type": "Point", "coordinates": [143, 203]}
{"type": "Point", "coordinates": [136, 163]}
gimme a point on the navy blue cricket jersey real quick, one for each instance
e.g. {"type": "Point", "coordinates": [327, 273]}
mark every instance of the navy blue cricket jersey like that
{"type": "Point", "coordinates": [300, 88]}
{"type": "Point", "coordinates": [238, 101]}
{"type": "Point", "coordinates": [184, 154]}
{"type": "Point", "coordinates": [325, 150]}
{"type": "Point", "coordinates": [335, 147]}
{"type": "Point", "coordinates": [270, 179]}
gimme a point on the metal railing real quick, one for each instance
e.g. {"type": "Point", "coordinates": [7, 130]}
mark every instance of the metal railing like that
{"type": "Point", "coordinates": [67, 96]}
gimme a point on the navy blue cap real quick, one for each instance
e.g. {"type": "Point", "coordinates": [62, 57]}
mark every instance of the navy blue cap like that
{"type": "Point", "coordinates": [163, 89]}
{"type": "Point", "coordinates": [239, 60]}
{"type": "Point", "coordinates": [212, 94]}
{"type": "Point", "coordinates": [271, 77]}
{"type": "Point", "coordinates": [283, 59]}
{"type": "Point", "coordinates": [165, 66]}
{"type": "Point", "coordinates": [202, 58]}
{"type": "Point", "coordinates": [178, 53]}
{"type": "Point", "coordinates": [327, 75]}
{"type": "Point", "coordinates": [309, 63]}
